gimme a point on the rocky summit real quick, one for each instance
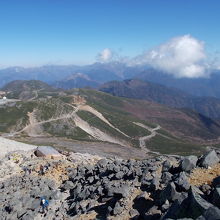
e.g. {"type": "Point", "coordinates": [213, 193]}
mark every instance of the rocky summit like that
{"type": "Point", "coordinates": [84, 186]}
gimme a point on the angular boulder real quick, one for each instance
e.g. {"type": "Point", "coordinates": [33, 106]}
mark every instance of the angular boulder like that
{"type": "Point", "coordinates": [216, 181]}
{"type": "Point", "coordinates": [209, 159]}
{"type": "Point", "coordinates": [216, 196]}
{"type": "Point", "coordinates": [213, 213]}
{"type": "Point", "coordinates": [197, 205]}
{"type": "Point", "coordinates": [182, 182]}
{"type": "Point", "coordinates": [188, 163]}
{"type": "Point", "coordinates": [168, 193]}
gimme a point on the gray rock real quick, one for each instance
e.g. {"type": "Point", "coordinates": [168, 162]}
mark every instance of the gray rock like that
{"type": "Point", "coordinates": [48, 152]}
{"type": "Point", "coordinates": [188, 163]}
{"type": "Point", "coordinates": [100, 190]}
{"type": "Point", "coordinates": [206, 189]}
{"type": "Point", "coordinates": [117, 209]}
{"type": "Point", "coordinates": [91, 179]}
{"type": "Point", "coordinates": [155, 183]}
{"type": "Point", "coordinates": [166, 177]}
{"type": "Point", "coordinates": [119, 175]}
{"type": "Point", "coordinates": [77, 190]}
{"type": "Point", "coordinates": [166, 166]}
{"type": "Point", "coordinates": [118, 190]}
{"type": "Point", "coordinates": [56, 195]}
{"type": "Point", "coordinates": [29, 215]}
{"type": "Point", "coordinates": [154, 211]}
{"type": "Point", "coordinates": [109, 210]}
{"type": "Point", "coordinates": [177, 210]}
{"type": "Point", "coordinates": [68, 185]}
{"type": "Point", "coordinates": [21, 213]}
{"type": "Point", "coordinates": [138, 171]}
{"type": "Point", "coordinates": [182, 182]}
{"type": "Point", "coordinates": [216, 181]}
{"type": "Point", "coordinates": [216, 196]}
{"type": "Point", "coordinates": [125, 170]}
{"type": "Point", "coordinates": [84, 194]}
{"type": "Point", "coordinates": [116, 168]}
{"type": "Point", "coordinates": [209, 159]}
{"type": "Point", "coordinates": [133, 213]}
{"type": "Point", "coordinates": [169, 193]}
{"type": "Point", "coordinates": [165, 206]}
{"type": "Point", "coordinates": [212, 213]}
{"type": "Point", "coordinates": [35, 205]}
{"type": "Point", "coordinates": [197, 205]}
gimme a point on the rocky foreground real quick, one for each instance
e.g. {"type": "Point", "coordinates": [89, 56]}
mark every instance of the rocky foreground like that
{"type": "Point", "coordinates": [82, 186]}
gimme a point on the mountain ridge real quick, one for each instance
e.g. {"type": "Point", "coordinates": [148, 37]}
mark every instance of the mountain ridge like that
{"type": "Point", "coordinates": [103, 72]}
{"type": "Point", "coordinates": [138, 89]}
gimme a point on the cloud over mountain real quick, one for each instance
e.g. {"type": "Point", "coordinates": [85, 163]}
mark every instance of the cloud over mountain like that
{"type": "Point", "coordinates": [105, 55]}
{"type": "Point", "coordinates": [182, 56]}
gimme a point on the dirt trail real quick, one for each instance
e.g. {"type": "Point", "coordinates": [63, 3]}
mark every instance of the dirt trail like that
{"type": "Point", "coordinates": [96, 133]}
{"type": "Point", "coordinates": [35, 94]}
{"type": "Point", "coordinates": [33, 129]}
{"type": "Point", "coordinates": [100, 116]}
{"type": "Point", "coordinates": [142, 140]}
{"type": "Point", "coordinates": [33, 123]}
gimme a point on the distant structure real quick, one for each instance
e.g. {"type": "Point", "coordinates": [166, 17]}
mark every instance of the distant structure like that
{"type": "Point", "coordinates": [4, 98]}
{"type": "Point", "coordinates": [48, 152]}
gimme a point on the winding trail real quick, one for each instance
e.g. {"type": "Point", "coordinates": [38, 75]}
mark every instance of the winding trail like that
{"type": "Point", "coordinates": [34, 129]}
{"type": "Point", "coordinates": [142, 140]}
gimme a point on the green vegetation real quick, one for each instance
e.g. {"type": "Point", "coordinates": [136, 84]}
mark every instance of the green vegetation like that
{"type": "Point", "coordinates": [167, 134]}
{"type": "Point", "coordinates": [93, 96]}
{"type": "Point", "coordinates": [61, 129]}
{"type": "Point", "coordinates": [96, 122]}
{"type": "Point", "coordinates": [127, 126]}
{"type": "Point", "coordinates": [10, 116]}
{"type": "Point", "coordinates": [51, 108]}
{"type": "Point", "coordinates": [170, 146]}
{"type": "Point", "coordinates": [66, 99]}
{"type": "Point", "coordinates": [114, 110]}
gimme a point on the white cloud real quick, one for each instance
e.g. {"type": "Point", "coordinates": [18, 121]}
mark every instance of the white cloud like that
{"type": "Point", "coordinates": [105, 55]}
{"type": "Point", "coordinates": [182, 56]}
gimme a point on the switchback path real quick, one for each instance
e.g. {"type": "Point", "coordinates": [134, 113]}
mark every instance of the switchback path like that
{"type": "Point", "coordinates": [142, 140]}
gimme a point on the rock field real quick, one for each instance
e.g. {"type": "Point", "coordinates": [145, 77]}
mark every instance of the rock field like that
{"type": "Point", "coordinates": [84, 186]}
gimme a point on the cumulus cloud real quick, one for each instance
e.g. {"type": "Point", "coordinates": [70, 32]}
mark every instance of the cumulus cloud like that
{"type": "Point", "coordinates": [182, 56]}
{"type": "Point", "coordinates": [105, 55]}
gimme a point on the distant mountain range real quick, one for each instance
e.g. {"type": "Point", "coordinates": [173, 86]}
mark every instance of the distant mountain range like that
{"type": "Point", "coordinates": [172, 97]}
{"type": "Point", "coordinates": [72, 76]}
{"type": "Point", "coordinates": [195, 86]}
{"type": "Point", "coordinates": [77, 80]}
{"type": "Point", "coordinates": [99, 72]}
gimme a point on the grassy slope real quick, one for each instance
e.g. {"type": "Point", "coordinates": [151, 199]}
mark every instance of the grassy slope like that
{"type": "Point", "coordinates": [121, 112]}
{"type": "Point", "coordinates": [166, 146]}
{"type": "Point", "coordinates": [113, 108]}
{"type": "Point", "coordinates": [11, 115]}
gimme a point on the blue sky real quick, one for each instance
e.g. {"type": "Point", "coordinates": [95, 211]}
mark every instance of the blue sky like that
{"type": "Point", "coordinates": [39, 32]}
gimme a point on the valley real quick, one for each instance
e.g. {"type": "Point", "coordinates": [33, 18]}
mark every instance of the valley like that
{"type": "Point", "coordinates": [61, 117]}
